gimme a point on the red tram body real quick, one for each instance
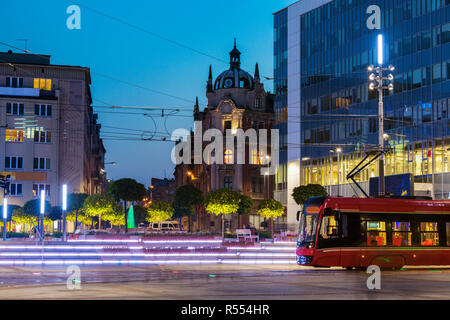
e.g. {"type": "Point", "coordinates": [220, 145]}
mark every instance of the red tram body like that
{"type": "Point", "coordinates": [389, 233]}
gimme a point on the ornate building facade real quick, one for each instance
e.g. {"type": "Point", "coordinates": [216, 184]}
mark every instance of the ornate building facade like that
{"type": "Point", "coordinates": [236, 100]}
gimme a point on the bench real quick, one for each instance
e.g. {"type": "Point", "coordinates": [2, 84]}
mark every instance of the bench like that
{"type": "Point", "coordinates": [246, 234]}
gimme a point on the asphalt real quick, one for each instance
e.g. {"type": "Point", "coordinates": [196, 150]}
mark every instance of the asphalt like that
{"type": "Point", "coordinates": [222, 282]}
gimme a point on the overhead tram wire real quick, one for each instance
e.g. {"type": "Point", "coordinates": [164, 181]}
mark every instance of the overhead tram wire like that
{"type": "Point", "coordinates": [179, 44]}
{"type": "Point", "coordinates": [100, 75]}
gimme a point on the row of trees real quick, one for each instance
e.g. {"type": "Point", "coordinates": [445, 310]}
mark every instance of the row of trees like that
{"type": "Point", "coordinates": [188, 200]}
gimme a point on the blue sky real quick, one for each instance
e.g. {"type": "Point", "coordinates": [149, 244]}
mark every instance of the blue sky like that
{"type": "Point", "coordinates": [116, 50]}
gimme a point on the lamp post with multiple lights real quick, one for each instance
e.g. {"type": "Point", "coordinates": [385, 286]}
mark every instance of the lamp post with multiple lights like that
{"type": "Point", "coordinates": [338, 151]}
{"type": "Point", "coordinates": [378, 82]}
{"type": "Point", "coordinates": [42, 211]}
{"type": "Point", "coordinates": [5, 215]}
{"type": "Point", "coordinates": [64, 209]}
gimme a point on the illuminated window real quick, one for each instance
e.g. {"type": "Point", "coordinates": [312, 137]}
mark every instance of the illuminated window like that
{"type": "Point", "coordinates": [429, 235]}
{"type": "Point", "coordinates": [376, 233]}
{"type": "Point", "coordinates": [15, 109]}
{"type": "Point", "coordinates": [38, 187]}
{"type": "Point", "coordinates": [257, 157]}
{"type": "Point", "coordinates": [328, 227]}
{"type": "Point", "coordinates": [448, 233]}
{"type": "Point", "coordinates": [43, 84]}
{"type": "Point", "coordinates": [42, 136]}
{"type": "Point", "coordinates": [43, 110]}
{"type": "Point", "coordinates": [401, 234]}
{"type": "Point", "coordinates": [14, 135]}
{"type": "Point", "coordinates": [228, 157]}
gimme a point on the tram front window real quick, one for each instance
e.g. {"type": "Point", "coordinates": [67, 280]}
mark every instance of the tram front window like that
{"type": "Point", "coordinates": [307, 230]}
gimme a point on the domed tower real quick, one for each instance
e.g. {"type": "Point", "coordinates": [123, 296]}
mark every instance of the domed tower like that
{"type": "Point", "coordinates": [234, 77]}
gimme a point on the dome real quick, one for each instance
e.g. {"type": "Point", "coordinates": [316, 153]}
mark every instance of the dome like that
{"type": "Point", "coordinates": [234, 77]}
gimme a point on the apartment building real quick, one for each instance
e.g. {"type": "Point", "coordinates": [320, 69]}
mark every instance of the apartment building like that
{"type": "Point", "coordinates": [49, 134]}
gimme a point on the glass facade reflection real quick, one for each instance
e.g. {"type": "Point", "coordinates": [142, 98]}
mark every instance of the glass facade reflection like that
{"type": "Point", "coordinates": [280, 101]}
{"type": "Point", "coordinates": [339, 111]}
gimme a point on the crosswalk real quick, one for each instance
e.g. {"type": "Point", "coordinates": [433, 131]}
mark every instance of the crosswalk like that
{"type": "Point", "coordinates": [145, 252]}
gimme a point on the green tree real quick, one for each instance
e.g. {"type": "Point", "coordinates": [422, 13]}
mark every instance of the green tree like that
{"type": "Point", "coordinates": [245, 206]}
{"type": "Point", "coordinates": [270, 208]}
{"type": "Point", "coordinates": [127, 190]}
{"type": "Point", "coordinates": [21, 217]}
{"type": "Point", "coordinates": [98, 205]}
{"type": "Point", "coordinates": [186, 200]}
{"type": "Point", "coordinates": [115, 217]}
{"type": "Point", "coordinates": [221, 202]}
{"type": "Point", "coordinates": [159, 211]}
{"type": "Point", "coordinates": [75, 204]}
{"type": "Point", "coordinates": [55, 213]}
{"type": "Point", "coordinates": [302, 193]}
{"type": "Point", "coordinates": [33, 207]}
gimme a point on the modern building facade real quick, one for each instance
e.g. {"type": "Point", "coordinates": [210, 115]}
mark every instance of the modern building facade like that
{"type": "Point", "coordinates": [324, 48]}
{"type": "Point", "coordinates": [236, 100]}
{"type": "Point", "coordinates": [49, 133]}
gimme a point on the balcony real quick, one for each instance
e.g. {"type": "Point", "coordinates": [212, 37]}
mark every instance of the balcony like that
{"type": "Point", "coordinates": [22, 92]}
{"type": "Point", "coordinates": [27, 92]}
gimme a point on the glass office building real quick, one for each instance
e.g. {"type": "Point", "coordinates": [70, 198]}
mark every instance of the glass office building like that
{"type": "Point", "coordinates": [330, 106]}
{"type": "Point", "coordinates": [280, 101]}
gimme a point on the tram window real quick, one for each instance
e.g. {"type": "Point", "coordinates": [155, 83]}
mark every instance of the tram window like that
{"type": "Point", "coordinates": [328, 228]}
{"type": "Point", "coordinates": [429, 235]}
{"type": "Point", "coordinates": [401, 234]}
{"type": "Point", "coordinates": [376, 233]}
{"type": "Point", "coordinates": [448, 233]}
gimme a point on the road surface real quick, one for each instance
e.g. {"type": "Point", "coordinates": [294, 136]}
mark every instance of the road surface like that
{"type": "Point", "coordinates": [221, 282]}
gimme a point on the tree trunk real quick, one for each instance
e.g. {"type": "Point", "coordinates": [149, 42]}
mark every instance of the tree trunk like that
{"type": "Point", "coordinates": [126, 216]}
{"type": "Point", "coordinates": [223, 226]}
{"type": "Point", "coordinates": [271, 226]}
{"type": "Point", "coordinates": [99, 221]}
{"type": "Point", "coordinates": [76, 220]}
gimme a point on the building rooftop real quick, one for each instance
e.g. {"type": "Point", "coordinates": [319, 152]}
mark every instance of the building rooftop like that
{"type": "Point", "coordinates": [24, 58]}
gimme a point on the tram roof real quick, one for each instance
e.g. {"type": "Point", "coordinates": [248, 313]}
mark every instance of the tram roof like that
{"type": "Point", "coordinates": [387, 205]}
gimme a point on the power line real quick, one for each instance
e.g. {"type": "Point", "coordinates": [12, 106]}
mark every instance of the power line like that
{"type": "Point", "coordinates": [148, 32]}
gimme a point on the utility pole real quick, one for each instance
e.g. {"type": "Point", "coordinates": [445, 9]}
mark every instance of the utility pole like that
{"type": "Point", "coordinates": [378, 82]}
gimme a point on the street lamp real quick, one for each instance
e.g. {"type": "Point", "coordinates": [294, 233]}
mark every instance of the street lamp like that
{"type": "Point", "coordinates": [113, 163]}
{"type": "Point", "coordinates": [64, 208]}
{"type": "Point", "coordinates": [338, 151]}
{"type": "Point", "coordinates": [5, 215]}
{"type": "Point", "coordinates": [378, 83]}
{"type": "Point", "coordinates": [42, 213]}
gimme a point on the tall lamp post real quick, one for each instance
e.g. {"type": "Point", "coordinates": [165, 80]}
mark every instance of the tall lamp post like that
{"type": "Point", "coordinates": [5, 215]}
{"type": "Point", "coordinates": [42, 213]}
{"type": "Point", "coordinates": [64, 209]}
{"type": "Point", "coordinates": [338, 151]}
{"type": "Point", "coordinates": [378, 82]}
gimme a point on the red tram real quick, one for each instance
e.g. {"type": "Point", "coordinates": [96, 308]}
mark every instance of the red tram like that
{"type": "Point", "coordinates": [389, 233]}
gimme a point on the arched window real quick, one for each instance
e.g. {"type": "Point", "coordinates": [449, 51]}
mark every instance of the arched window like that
{"type": "Point", "coordinates": [228, 157]}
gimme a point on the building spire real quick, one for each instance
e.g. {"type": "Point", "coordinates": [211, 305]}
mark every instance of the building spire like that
{"type": "Point", "coordinates": [235, 57]}
{"type": "Point", "coordinates": [209, 84]}
{"type": "Point", "coordinates": [196, 107]}
{"type": "Point", "coordinates": [257, 79]}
